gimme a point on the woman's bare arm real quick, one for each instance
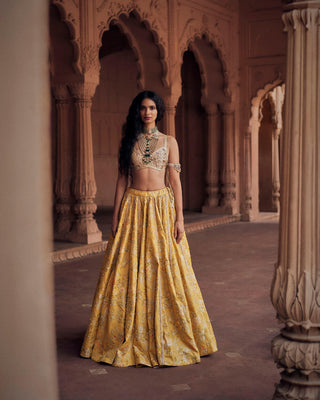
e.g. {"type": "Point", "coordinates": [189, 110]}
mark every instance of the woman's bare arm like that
{"type": "Point", "coordinates": [122, 183]}
{"type": "Point", "coordinates": [174, 179]}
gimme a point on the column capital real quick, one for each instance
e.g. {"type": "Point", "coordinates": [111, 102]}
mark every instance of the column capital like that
{"type": "Point", "coordinates": [299, 4]}
{"type": "Point", "coordinates": [276, 132]}
{"type": "Point", "coordinates": [227, 108]}
{"type": "Point", "coordinates": [306, 16]}
{"type": "Point", "coordinates": [60, 92]}
{"type": "Point", "coordinates": [170, 101]}
{"type": "Point", "coordinates": [212, 109]}
{"type": "Point", "coordinates": [170, 108]}
{"type": "Point", "coordinates": [83, 90]}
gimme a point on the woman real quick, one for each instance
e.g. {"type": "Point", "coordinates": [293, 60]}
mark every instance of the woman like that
{"type": "Point", "coordinates": [148, 309]}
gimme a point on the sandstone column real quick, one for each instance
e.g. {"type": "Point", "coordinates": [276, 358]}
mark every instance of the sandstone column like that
{"type": "Point", "coordinates": [275, 168]}
{"type": "Point", "coordinates": [251, 206]}
{"type": "Point", "coordinates": [213, 147]}
{"type": "Point", "coordinates": [277, 98]}
{"type": "Point", "coordinates": [247, 215]}
{"type": "Point", "coordinates": [228, 162]}
{"type": "Point", "coordinates": [85, 229]}
{"type": "Point", "coordinates": [63, 179]}
{"type": "Point", "coordinates": [295, 289]}
{"type": "Point", "coordinates": [169, 119]}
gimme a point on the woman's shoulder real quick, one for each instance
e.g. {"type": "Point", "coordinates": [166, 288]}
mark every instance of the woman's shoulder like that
{"type": "Point", "coordinates": [170, 139]}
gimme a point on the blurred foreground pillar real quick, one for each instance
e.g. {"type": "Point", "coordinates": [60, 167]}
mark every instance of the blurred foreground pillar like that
{"type": "Point", "coordinates": [27, 339]}
{"type": "Point", "coordinates": [295, 289]}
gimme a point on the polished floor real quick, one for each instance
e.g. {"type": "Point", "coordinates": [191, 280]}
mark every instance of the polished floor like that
{"type": "Point", "coordinates": [234, 266]}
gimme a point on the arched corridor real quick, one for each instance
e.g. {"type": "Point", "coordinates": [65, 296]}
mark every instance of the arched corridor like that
{"type": "Point", "coordinates": [262, 149]}
{"type": "Point", "coordinates": [57, 158]}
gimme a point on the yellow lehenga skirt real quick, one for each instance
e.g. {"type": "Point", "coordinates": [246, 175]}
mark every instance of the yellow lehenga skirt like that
{"type": "Point", "coordinates": [147, 309]}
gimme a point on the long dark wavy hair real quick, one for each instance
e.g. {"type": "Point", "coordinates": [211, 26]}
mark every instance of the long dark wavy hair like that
{"type": "Point", "coordinates": [134, 126]}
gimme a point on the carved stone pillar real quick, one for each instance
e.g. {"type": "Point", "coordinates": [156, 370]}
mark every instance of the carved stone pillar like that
{"type": "Point", "coordinates": [212, 177]}
{"type": "Point", "coordinates": [251, 137]}
{"type": "Point", "coordinates": [275, 170]}
{"type": "Point", "coordinates": [64, 216]}
{"type": "Point", "coordinates": [247, 214]}
{"type": "Point", "coordinates": [295, 290]}
{"type": "Point", "coordinates": [85, 229]}
{"type": "Point", "coordinates": [169, 119]}
{"type": "Point", "coordinates": [228, 162]}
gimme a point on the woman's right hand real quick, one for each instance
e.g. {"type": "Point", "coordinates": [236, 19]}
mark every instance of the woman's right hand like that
{"type": "Point", "coordinates": [114, 226]}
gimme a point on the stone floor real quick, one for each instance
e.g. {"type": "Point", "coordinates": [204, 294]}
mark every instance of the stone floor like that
{"type": "Point", "coordinates": [234, 267]}
{"type": "Point", "coordinates": [194, 221]}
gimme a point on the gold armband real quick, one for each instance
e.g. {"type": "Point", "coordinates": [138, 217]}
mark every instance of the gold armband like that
{"type": "Point", "coordinates": [177, 167]}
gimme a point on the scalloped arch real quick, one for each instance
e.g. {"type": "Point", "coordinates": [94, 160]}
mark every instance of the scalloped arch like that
{"type": "Point", "coordinates": [203, 73]}
{"type": "Point", "coordinates": [257, 101]}
{"type": "Point", "coordinates": [113, 13]}
{"type": "Point", "coordinates": [135, 48]}
{"type": "Point", "coordinates": [261, 93]}
{"type": "Point", "coordinates": [71, 18]}
{"type": "Point", "coordinates": [251, 134]}
{"type": "Point", "coordinates": [191, 32]}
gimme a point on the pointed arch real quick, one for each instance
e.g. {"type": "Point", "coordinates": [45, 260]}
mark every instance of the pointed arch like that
{"type": "Point", "coordinates": [251, 150]}
{"type": "Point", "coordinates": [135, 48]}
{"type": "Point", "coordinates": [114, 12]}
{"type": "Point", "coordinates": [193, 31]}
{"type": "Point", "coordinates": [69, 13]}
{"type": "Point", "coordinates": [203, 72]}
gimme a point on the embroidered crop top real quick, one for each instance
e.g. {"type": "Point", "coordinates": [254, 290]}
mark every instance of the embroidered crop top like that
{"type": "Point", "coordinates": [158, 161]}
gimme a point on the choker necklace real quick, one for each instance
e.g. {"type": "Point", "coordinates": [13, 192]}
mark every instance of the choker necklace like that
{"type": "Point", "coordinates": [150, 130]}
{"type": "Point", "coordinates": [147, 145]}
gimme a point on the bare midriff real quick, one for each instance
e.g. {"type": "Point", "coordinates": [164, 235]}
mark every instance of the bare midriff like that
{"type": "Point", "coordinates": [148, 179]}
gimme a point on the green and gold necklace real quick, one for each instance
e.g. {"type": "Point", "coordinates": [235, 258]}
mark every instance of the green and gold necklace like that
{"type": "Point", "coordinates": [147, 142]}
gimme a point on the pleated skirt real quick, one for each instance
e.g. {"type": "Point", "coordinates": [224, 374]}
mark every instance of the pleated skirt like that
{"type": "Point", "coordinates": [148, 308]}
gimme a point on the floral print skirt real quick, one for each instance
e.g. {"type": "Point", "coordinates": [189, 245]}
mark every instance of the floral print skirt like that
{"type": "Point", "coordinates": [147, 309]}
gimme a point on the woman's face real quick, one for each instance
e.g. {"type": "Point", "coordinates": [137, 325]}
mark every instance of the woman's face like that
{"type": "Point", "coordinates": [148, 112]}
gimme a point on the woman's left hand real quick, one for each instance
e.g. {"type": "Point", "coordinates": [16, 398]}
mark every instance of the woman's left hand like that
{"type": "Point", "coordinates": [178, 230]}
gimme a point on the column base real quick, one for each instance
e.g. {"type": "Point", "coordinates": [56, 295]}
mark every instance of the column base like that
{"type": "Point", "coordinates": [219, 210]}
{"type": "Point", "coordinates": [86, 238]}
{"type": "Point", "coordinates": [62, 236]}
{"type": "Point", "coordinates": [289, 391]}
{"type": "Point", "coordinates": [248, 216]}
{"type": "Point", "coordinates": [211, 210]}
{"type": "Point", "coordinates": [228, 209]}
{"type": "Point", "coordinates": [63, 221]}
{"type": "Point", "coordinates": [85, 231]}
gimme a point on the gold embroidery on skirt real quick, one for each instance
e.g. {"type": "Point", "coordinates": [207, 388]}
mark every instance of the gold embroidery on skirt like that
{"type": "Point", "coordinates": [148, 308]}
